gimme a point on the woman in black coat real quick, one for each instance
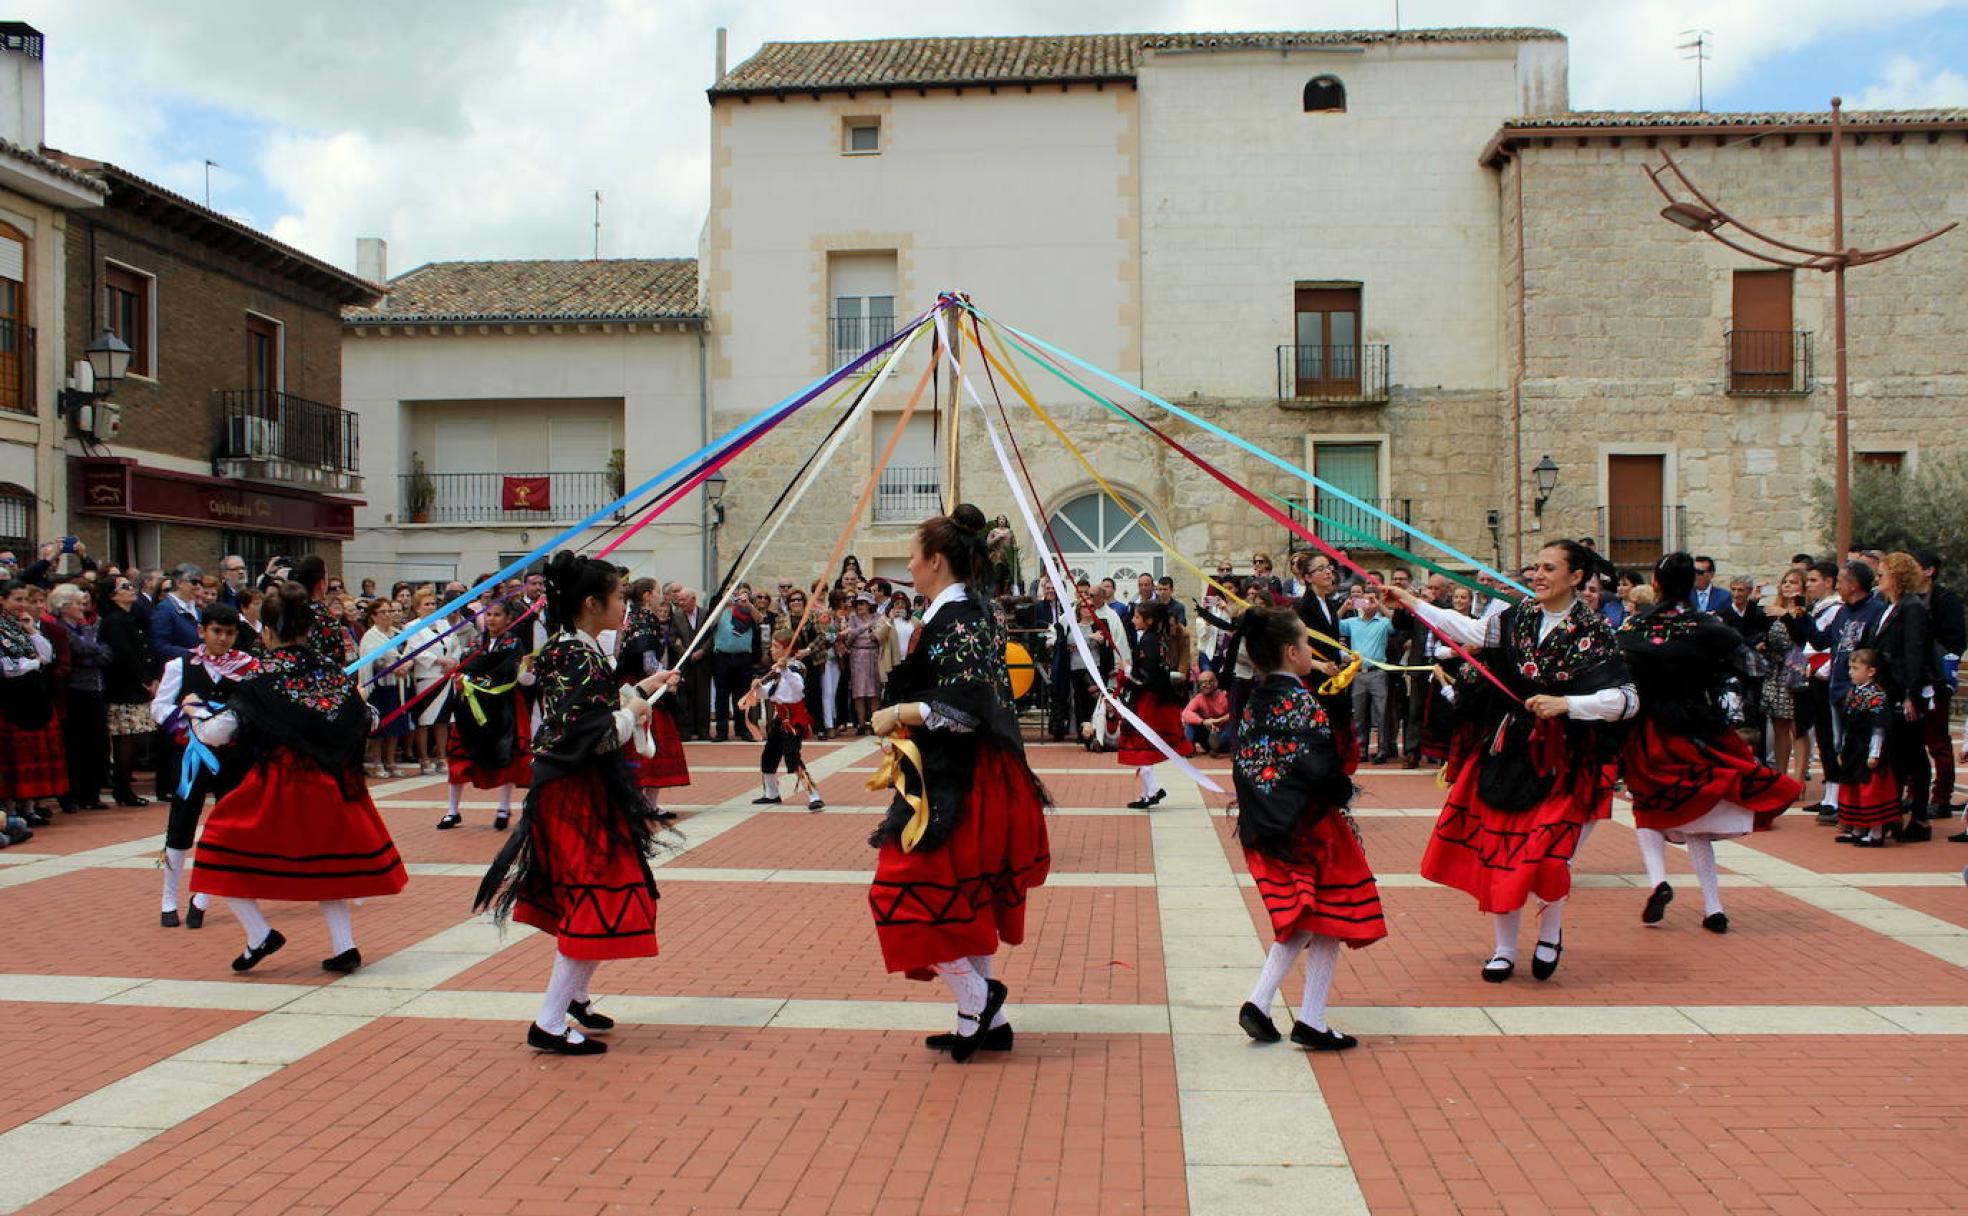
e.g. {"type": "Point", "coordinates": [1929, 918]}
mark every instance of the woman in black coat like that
{"type": "Point", "coordinates": [1904, 639]}
{"type": "Point", "coordinates": [126, 684]}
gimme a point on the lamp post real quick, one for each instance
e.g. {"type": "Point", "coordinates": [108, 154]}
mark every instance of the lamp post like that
{"type": "Point", "coordinates": [108, 361]}
{"type": "Point", "coordinates": [1705, 217]}
{"type": "Point", "coordinates": [1544, 478]}
{"type": "Point", "coordinates": [714, 487]}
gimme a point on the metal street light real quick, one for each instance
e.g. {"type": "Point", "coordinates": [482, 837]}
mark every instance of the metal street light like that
{"type": "Point", "coordinates": [714, 487]}
{"type": "Point", "coordinates": [108, 361]}
{"type": "Point", "coordinates": [1705, 217]}
{"type": "Point", "coordinates": [1544, 476]}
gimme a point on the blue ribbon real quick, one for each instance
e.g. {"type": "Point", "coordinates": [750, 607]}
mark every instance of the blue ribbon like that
{"type": "Point", "coordinates": [197, 755]}
{"type": "Point", "coordinates": [1256, 451]}
{"type": "Point", "coordinates": [764, 420]}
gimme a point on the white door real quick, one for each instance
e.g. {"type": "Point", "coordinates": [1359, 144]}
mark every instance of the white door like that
{"type": "Point", "coordinates": [577, 455]}
{"type": "Point", "coordinates": [463, 464]}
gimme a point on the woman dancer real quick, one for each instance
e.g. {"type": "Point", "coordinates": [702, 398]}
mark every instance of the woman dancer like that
{"type": "Point", "coordinates": [965, 837]}
{"type": "Point", "coordinates": [210, 675]}
{"type": "Point", "coordinates": [1692, 779]}
{"type": "Point", "coordinates": [644, 651]}
{"type": "Point", "coordinates": [578, 862]}
{"type": "Point", "coordinates": [300, 826]}
{"type": "Point", "coordinates": [489, 723]}
{"type": "Point", "coordinates": [33, 765]}
{"type": "Point", "coordinates": [1149, 686]}
{"type": "Point", "coordinates": [1523, 804]}
{"type": "Point", "coordinates": [1299, 841]}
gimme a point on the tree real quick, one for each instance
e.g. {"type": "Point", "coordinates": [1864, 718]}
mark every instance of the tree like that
{"type": "Point", "coordinates": [1909, 509]}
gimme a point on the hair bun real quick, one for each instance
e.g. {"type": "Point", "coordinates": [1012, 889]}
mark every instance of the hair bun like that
{"type": "Point", "coordinates": [969, 520]}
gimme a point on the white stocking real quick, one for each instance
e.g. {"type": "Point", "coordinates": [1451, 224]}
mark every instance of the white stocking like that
{"type": "Point", "coordinates": [1149, 786]}
{"type": "Point", "coordinates": [568, 976]}
{"type": "Point", "coordinates": [1653, 854]}
{"type": "Point", "coordinates": [174, 864]}
{"type": "Point", "coordinates": [201, 900]}
{"type": "Point", "coordinates": [1276, 963]}
{"type": "Point", "coordinates": [985, 965]}
{"type": "Point", "coordinates": [1551, 923]}
{"type": "Point", "coordinates": [771, 781]}
{"type": "Point", "coordinates": [1507, 925]}
{"type": "Point", "coordinates": [1701, 855]}
{"type": "Point", "coordinates": [970, 991]}
{"type": "Point", "coordinates": [1321, 956]}
{"type": "Point", "coordinates": [247, 913]}
{"type": "Point", "coordinates": [505, 799]}
{"type": "Point", "coordinates": [584, 972]}
{"type": "Point", "coordinates": [456, 792]}
{"type": "Point", "coordinates": [341, 926]}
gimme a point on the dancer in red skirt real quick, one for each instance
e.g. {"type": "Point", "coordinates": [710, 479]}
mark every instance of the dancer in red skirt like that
{"type": "Point", "coordinates": [300, 826]}
{"type": "Point", "coordinates": [487, 746]}
{"type": "Point", "coordinates": [578, 861]}
{"type": "Point", "coordinates": [1524, 802]}
{"type": "Point", "coordinates": [643, 651]}
{"type": "Point", "coordinates": [210, 673]}
{"type": "Point", "coordinates": [33, 764]}
{"type": "Point", "coordinates": [1148, 688]}
{"type": "Point", "coordinates": [1692, 779]}
{"type": "Point", "coordinates": [1868, 788]}
{"type": "Point", "coordinates": [1299, 841]}
{"type": "Point", "coordinates": [965, 838]}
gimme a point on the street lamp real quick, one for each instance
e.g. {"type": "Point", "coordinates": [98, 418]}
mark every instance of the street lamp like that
{"type": "Point", "coordinates": [109, 361]}
{"type": "Point", "coordinates": [1705, 217]}
{"type": "Point", "coordinates": [1544, 476]}
{"type": "Point", "coordinates": [714, 486]}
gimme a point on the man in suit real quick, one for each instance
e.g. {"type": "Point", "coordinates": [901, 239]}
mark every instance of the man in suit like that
{"type": "Point", "coordinates": [232, 579]}
{"type": "Point", "coordinates": [174, 621]}
{"type": "Point", "coordinates": [694, 693]}
{"type": "Point", "coordinates": [1319, 608]}
{"type": "Point", "coordinates": [1950, 630]}
{"type": "Point", "coordinates": [1707, 597]}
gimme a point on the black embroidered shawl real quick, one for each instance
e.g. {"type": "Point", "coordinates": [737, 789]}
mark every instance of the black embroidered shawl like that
{"type": "Point", "coordinates": [1286, 770]}
{"type": "Point", "coordinates": [1679, 659]}
{"type": "Point", "coordinates": [27, 700]}
{"type": "Point", "coordinates": [301, 701]}
{"type": "Point", "coordinates": [491, 662]}
{"type": "Point", "coordinates": [1864, 711]}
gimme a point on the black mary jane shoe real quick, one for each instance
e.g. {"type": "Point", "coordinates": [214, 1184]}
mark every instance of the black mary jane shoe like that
{"type": "Point", "coordinates": [1321, 1040]}
{"type": "Point", "coordinates": [1716, 922]}
{"type": "Point", "coordinates": [765, 801]}
{"type": "Point", "coordinates": [584, 1013]}
{"type": "Point", "coordinates": [1495, 974]}
{"type": "Point", "coordinates": [451, 820]}
{"type": "Point", "coordinates": [251, 959]}
{"type": "Point", "coordinates": [1542, 970]}
{"type": "Point", "coordinates": [194, 917]}
{"type": "Point", "coordinates": [1657, 904]}
{"type": "Point", "coordinates": [168, 919]}
{"type": "Point", "coordinates": [1870, 842]}
{"type": "Point", "coordinates": [1139, 804]}
{"type": "Point", "coordinates": [1848, 838]}
{"type": "Point", "coordinates": [501, 821]}
{"type": "Point", "coordinates": [662, 816]}
{"type": "Point", "coordinates": [558, 1044]}
{"type": "Point", "coordinates": [1257, 1024]}
{"type": "Point", "coordinates": [967, 1044]}
{"type": "Point", "coordinates": [997, 1038]}
{"type": "Point", "coordinates": [343, 963]}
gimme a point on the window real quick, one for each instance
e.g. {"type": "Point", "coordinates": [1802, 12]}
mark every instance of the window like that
{"type": "Point", "coordinates": [1100, 539]}
{"type": "Point", "coordinates": [263, 354]}
{"type": "Point", "coordinates": [129, 312]}
{"type": "Point", "coordinates": [257, 548]}
{"type": "Point", "coordinates": [17, 523]}
{"type": "Point", "coordinates": [1764, 347]}
{"type": "Point", "coordinates": [1326, 331]}
{"type": "Point", "coordinates": [15, 356]}
{"type": "Point", "coordinates": [911, 483]}
{"type": "Point", "coordinates": [1637, 516]}
{"type": "Point", "coordinates": [1325, 95]}
{"type": "Point", "coordinates": [1355, 468]}
{"type": "Point", "coordinates": [860, 136]}
{"type": "Point", "coordinates": [862, 288]}
{"type": "Point", "coordinates": [1892, 462]}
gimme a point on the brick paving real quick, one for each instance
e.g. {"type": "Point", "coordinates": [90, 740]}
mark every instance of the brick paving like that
{"type": "Point", "coordinates": [284, 1092]}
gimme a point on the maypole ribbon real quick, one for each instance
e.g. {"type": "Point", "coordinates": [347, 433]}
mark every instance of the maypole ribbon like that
{"type": "Point", "coordinates": [1258, 452]}
{"type": "Point", "coordinates": [1060, 586]}
{"type": "Point", "coordinates": [197, 754]}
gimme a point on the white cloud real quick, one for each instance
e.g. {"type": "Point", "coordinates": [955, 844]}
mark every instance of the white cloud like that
{"type": "Point", "coordinates": [479, 128]}
{"type": "Point", "coordinates": [1910, 84]}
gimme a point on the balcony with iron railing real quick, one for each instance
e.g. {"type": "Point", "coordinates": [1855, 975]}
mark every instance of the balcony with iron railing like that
{"type": "Point", "coordinates": [502, 498]}
{"type": "Point", "coordinates": [908, 494]}
{"type": "Point", "coordinates": [852, 336]}
{"type": "Point", "coordinates": [1333, 375]}
{"type": "Point", "coordinates": [268, 435]}
{"type": "Point", "coordinates": [1347, 526]}
{"type": "Point", "coordinates": [1638, 536]}
{"type": "Point", "coordinates": [1769, 362]}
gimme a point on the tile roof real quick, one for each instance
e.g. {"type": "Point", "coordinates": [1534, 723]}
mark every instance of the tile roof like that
{"type": "Point", "coordinates": [1724, 118]}
{"type": "Point", "coordinates": [614, 289]}
{"type": "Point", "coordinates": [48, 164]}
{"type": "Point", "coordinates": [1074, 58]}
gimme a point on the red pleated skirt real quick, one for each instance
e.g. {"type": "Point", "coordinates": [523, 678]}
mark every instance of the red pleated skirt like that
{"type": "Point", "coordinates": [1333, 893]}
{"type": "Point", "coordinates": [935, 905]}
{"type": "Point", "coordinates": [286, 832]}
{"type": "Point", "coordinates": [463, 770]}
{"type": "Point", "coordinates": [1165, 719]}
{"type": "Point", "coordinates": [667, 768]}
{"type": "Point", "coordinates": [1675, 780]}
{"type": "Point", "coordinates": [1501, 857]}
{"type": "Point", "coordinates": [33, 763]}
{"type": "Point", "coordinates": [586, 889]}
{"type": "Point", "coordinates": [1871, 802]}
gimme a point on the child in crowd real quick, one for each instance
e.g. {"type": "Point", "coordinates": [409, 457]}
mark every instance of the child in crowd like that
{"type": "Point", "coordinates": [787, 723]}
{"type": "Point", "coordinates": [1868, 793]}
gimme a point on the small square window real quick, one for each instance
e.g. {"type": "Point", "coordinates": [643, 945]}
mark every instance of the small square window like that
{"type": "Point", "coordinates": [861, 136]}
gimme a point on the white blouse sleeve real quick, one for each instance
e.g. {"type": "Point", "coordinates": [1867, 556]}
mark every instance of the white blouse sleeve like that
{"type": "Point", "coordinates": [1460, 629]}
{"type": "Point", "coordinates": [1606, 705]}
{"type": "Point", "coordinates": [165, 703]}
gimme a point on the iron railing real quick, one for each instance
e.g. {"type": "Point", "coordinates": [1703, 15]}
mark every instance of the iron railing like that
{"type": "Point", "coordinates": [1638, 536]}
{"type": "Point", "coordinates": [1356, 375]}
{"type": "Point", "coordinates": [17, 367]}
{"type": "Point", "coordinates": [1351, 526]}
{"type": "Point", "coordinates": [272, 427]}
{"type": "Point", "coordinates": [1774, 361]}
{"type": "Point", "coordinates": [852, 336]}
{"type": "Point", "coordinates": [908, 494]}
{"type": "Point", "coordinates": [481, 498]}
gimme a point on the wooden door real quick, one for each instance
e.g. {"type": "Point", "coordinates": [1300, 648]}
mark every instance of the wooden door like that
{"type": "Point", "coordinates": [1636, 508]}
{"type": "Point", "coordinates": [1326, 335]}
{"type": "Point", "coordinates": [1762, 342]}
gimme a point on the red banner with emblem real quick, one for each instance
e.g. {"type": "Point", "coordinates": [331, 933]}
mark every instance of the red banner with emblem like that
{"type": "Point", "coordinates": [525, 494]}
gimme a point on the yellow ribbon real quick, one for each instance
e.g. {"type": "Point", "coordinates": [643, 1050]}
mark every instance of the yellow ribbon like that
{"type": "Point", "coordinates": [472, 691]}
{"type": "Point", "coordinates": [896, 749]}
{"type": "Point", "coordinates": [1337, 684]}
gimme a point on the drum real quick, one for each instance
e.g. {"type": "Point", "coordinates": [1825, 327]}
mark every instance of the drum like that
{"type": "Point", "coordinates": [1018, 661]}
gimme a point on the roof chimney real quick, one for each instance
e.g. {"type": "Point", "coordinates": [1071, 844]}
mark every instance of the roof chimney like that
{"type": "Point", "coordinates": [721, 39]}
{"type": "Point", "coordinates": [372, 259]}
{"type": "Point", "coordinates": [21, 114]}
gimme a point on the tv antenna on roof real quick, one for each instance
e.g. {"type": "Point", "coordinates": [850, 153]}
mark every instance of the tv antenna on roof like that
{"type": "Point", "coordinates": [597, 226]}
{"type": "Point", "coordinates": [1696, 48]}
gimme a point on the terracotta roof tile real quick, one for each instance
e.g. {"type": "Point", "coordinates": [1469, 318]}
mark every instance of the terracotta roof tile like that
{"type": "Point", "coordinates": [1725, 118]}
{"type": "Point", "coordinates": [614, 289]}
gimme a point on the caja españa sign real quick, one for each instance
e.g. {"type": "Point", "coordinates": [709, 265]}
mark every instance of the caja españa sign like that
{"type": "Point", "coordinates": [116, 487]}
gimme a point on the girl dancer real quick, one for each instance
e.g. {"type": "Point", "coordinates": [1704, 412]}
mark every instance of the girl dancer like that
{"type": "Point", "coordinates": [1868, 789]}
{"type": "Point", "coordinates": [210, 674]}
{"type": "Point", "coordinates": [579, 860]}
{"type": "Point", "coordinates": [1520, 806]}
{"type": "Point", "coordinates": [1692, 778]}
{"type": "Point", "coordinates": [965, 838]}
{"type": "Point", "coordinates": [784, 691]}
{"type": "Point", "coordinates": [1149, 686]}
{"type": "Point", "coordinates": [1301, 844]}
{"type": "Point", "coordinates": [644, 651]}
{"type": "Point", "coordinates": [489, 725]}
{"type": "Point", "coordinates": [300, 826]}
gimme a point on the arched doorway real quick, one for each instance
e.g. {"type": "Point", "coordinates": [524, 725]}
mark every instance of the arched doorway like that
{"type": "Point", "coordinates": [1101, 540]}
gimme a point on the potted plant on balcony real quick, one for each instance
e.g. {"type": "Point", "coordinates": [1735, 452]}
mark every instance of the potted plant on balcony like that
{"type": "Point", "coordinates": [617, 475]}
{"type": "Point", "coordinates": [421, 492]}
